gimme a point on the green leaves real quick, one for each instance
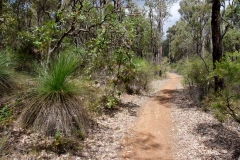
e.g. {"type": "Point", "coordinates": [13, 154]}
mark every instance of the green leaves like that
{"type": "Point", "coordinates": [228, 68]}
{"type": "Point", "coordinates": [231, 40]}
{"type": "Point", "coordinates": [5, 113]}
{"type": "Point", "coordinates": [226, 102]}
{"type": "Point", "coordinates": [55, 78]}
{"type": "Point", "coordinates": [43, 36]}
{"type": "Point", "coordinates": [6, 83]}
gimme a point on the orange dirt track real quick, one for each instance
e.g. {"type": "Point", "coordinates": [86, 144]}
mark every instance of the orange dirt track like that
{"type": "Point", "coordinates": [150, 138]}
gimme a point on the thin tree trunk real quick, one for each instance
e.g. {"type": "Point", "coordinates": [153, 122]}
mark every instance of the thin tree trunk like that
{"type": "Point", "coordinates": [160, 27]}
{"type": "Point", "coordinates": [39, 21]}
{"type": "Point", "coordinates": [1, 7]}
{"type": "Point", "coordinates": [202, 42]}
{"type": "Point", "coordinates": [151, 30]}
{"type": "Point", "coordinates": [119, 10]}
{"type": "Point", "coordinates": [216, 41]}
{"type": "Point", "coordinates": [26, 15]}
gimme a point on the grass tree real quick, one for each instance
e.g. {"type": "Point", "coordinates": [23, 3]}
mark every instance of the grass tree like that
{"type": "Point", "coordinates": [54, 105]}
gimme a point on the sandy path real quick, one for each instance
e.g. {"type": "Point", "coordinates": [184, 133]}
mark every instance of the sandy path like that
{"type": "Point", "coordinates": [150, 138]}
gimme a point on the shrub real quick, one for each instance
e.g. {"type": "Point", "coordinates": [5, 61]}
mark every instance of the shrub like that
{"type": "Point", "coordinates": [109, 101]}
{"type": "Point", "coordinates": [196, 76]}
{"type": "Point", "coordinates": [54, 105]}
{"type": "Point", "coordinates": [226, 102]}
{"type": "Point", "coordinates": [142, 74]}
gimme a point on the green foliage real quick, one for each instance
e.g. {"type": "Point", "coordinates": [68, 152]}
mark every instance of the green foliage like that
{"type": "Point", "coordinates": [117, 61]}
{"type": "Point", "coordinates": [142, 74]}
{"type": "Point", "coordinates": [231, 40]}
{"type": "Point", "coordinates": [103, 43]}
{"type": "Point", "coordinates": [111, 57]}
{"type": "Point", "coordinates": [5, 113]}
{"type": "Point", "coordinates": [6, 83]}
{"type": "Point", "coordinates": [3, 65]}
{"type": "Point", "coordinates": [109, 101]}
{"type": "Point", "coordinates": [226, 102]}
{"type": "Point", "coordinates": [54, 106]}
{"type": "Point", "coordinates": [5, 116]}
{"type": "Point", "coordinates": [180, 40]}
{"type": "Point", "coordinates": [43, 36]}
{"type": "Point", "coordinates": [196, 76]}
{"type": "Point", "coordinates": [7, 25]}
{"type": "Point", "coordinates": [91, 93]}
{"type": "Point", "coordinates": [54, 80]}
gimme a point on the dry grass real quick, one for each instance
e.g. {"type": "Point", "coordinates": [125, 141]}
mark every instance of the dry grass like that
{"type": "Point", "coordinates": [49, 116]}
{"type": "Point", "coordinates": [6, 84]}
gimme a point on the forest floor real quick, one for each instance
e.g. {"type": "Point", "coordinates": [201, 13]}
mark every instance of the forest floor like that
{"type": "Point", "coordinates": [161, 124]}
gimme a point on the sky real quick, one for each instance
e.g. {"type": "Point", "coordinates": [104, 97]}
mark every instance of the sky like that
{"type": "Point", "coordinates": [174, 12]}
{"type": "Point", "coordinates": [175, 17]}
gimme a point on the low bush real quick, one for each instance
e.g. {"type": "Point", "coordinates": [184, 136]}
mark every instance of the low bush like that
{"type": "Point", "coordinates": [196, 73]}
{"type": "Point", "coordinates": [143, 73]}
{"type": "Point", "coordinates": [226, 102]}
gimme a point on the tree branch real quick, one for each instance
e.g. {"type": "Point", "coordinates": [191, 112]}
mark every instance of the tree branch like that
{"type": "Point", "coordinates": [61, 39]}
{"type": "Point", "coordinates": [87, 29]}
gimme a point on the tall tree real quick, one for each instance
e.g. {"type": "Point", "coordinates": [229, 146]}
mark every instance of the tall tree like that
{"type": "Point", "coordinates": [216, 40]}
{"type": "Point", "coordinates": [161, 7]}
{"type": "Point", "coordinates": [197, 14]}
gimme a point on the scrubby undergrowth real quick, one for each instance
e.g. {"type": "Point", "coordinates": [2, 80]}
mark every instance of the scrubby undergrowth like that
{"type": "Point", "coordinates": [6, 82]}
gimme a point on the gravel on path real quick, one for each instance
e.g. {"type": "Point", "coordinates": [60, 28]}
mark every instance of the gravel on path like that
{"type": "Point", "coordinates": [198, 135]}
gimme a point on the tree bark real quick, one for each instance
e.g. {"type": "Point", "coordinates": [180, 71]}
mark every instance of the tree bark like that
{"type": "Point", "coordinates": [1, 7]}
{"type": "Point", "coordinates": [202, 42]}
{"type": "Point", "coordinates": [216, 41]}
{"type": "Point", "coordinates": [160, 28]}
{"type": "Point", "coordinates": [151, 31]}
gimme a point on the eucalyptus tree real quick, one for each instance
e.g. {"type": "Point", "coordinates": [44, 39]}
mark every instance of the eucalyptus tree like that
{"type": "Point", "coordinates": [231, 22]}
{"type": "Point", "coordinates": [55, 22]}
{"type": "Point", "coordinates": [197, 15]}
{"type": "Point", "coordinates": [181, 40]}
{"type": "Point", "coordinates": [218, 33]}
{"type": "Point", "coordinates": [159, 11]}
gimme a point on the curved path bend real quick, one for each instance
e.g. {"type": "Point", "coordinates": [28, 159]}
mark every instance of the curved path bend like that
{"type": "Point", "coordinates": [150, 137]}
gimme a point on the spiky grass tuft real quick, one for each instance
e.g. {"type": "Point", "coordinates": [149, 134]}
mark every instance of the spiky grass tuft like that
{"type": "Point", "coordinates": [56, 78]}
{"type": "Point", "coordinates": [6, 83]}
{"type": "Point", "coordinates": [54, 105]}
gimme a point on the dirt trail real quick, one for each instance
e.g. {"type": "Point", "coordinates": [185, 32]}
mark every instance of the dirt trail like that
{"type": "Point", "coordinates": [150, 138]}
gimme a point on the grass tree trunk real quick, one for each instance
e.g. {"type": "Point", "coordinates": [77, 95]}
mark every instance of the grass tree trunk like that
{"type": "Point", "coordinates": [216, 41]}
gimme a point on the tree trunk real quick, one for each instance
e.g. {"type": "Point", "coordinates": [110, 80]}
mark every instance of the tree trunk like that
{"type": "Point", "coordinates": [160, 27]}
{"type": "Point", "coordinates": [202, 42]}
{"type": "Point", "coordinates": [151, 30]}
{"type": "Point", "coordinates": [1, 7]}
{"type": "Point", "coordinates": [26, 15]}
{"type": "Point", "coordinates": [39, 20]}
{"type": "Point", "coordinates": [216, 41]}
{"type": "Point", "coordinates": [119, 10]}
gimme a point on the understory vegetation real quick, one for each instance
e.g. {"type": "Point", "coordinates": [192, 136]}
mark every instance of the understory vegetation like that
{"type": "Point", "coordinates": [62, 63]}
{"type": "Point", "coordinates": [198, 77]}
{"type": "Point", "coordinates": [204, 48]}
